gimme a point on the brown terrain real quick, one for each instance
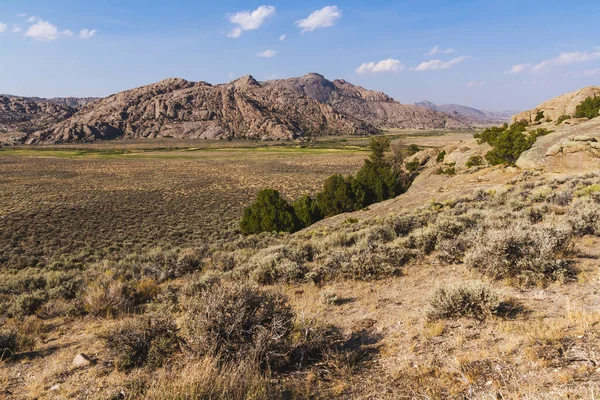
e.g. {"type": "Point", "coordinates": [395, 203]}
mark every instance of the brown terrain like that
{"type": "Point", "coordinates": [477, 284]}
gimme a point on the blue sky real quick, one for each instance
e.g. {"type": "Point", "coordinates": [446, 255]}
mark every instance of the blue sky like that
{"type": "Point", "coordinates": [494, 55]}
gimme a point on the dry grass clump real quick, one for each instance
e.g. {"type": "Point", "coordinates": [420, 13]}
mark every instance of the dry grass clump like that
{"type": "Point", "coordinates": [146, 340]}
{"type": "Point", "coordinates": [468, 300]}
{"type": "Point", "coordinates": [208, 378]}
{"type": "Point", "coordinates": [524, 254]}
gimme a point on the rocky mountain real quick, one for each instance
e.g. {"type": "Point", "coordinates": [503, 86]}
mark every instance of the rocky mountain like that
{"type": "Point", "coordinates": [470, 115]}
{"type": "Point", "coordinates": [559, 106]}
{"type": "Point", "coordinates": [24, 115]}
{"type": "Point", "coordinates": [374, 107]}
{"type": "Point", "coordinates": [244, 108]}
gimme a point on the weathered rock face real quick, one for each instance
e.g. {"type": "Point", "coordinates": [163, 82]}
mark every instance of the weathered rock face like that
{"type": "Point", "coordinates": [558, 106]}
{"type": "Point", "coordinates": [244, 108]}
{"type": "Point", "coordinates": [23, 115]}
{"type": "Point", "coordinates": [178, 108]}
{"type": "Point", "coordinates": [374, 107]}
{"type": "Point", "coordinates": [571, 148]}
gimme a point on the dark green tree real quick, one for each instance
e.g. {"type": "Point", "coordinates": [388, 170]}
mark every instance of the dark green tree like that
{"type": "Point", "coordinates": [269, 213]}
{"type": "Point", "coordinates": [340, 194]}
{"type": "Point", "coordinates": [307, 210]}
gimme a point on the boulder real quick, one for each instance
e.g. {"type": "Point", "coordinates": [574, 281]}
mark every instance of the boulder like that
{"type": "Point", "coordinates": [81, 361]}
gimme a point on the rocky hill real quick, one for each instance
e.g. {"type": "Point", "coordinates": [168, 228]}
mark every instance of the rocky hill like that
{"type": "Point", "coordinates": [374, 107]}
{"type": "Point", "coordinates": [75, 102]}
{"type": "Point", "coordinates": [469, 115]}
{"type": "Point", "coordinates": [558, 106]}
{"type": "Point", "coordinates": [24, 115]}
{"type": "Point", "coordinates": [244, 108]}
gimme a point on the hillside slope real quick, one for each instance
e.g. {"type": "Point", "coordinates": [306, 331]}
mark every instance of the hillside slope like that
{"type": "Point", "coordinates": [25, 115]}
{"type": "Point", "coordinates": [561, 105]}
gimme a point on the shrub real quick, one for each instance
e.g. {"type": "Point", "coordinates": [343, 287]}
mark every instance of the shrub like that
{"type": "Point", "coordinates": [307, 210]}
{"type": "Point", "coordinates": [8, 342]}
{"type": "Point", "coordinates": [508, 142]}
{"type": "Point", "coordinates": [340, 195]}
{"type": "Point", "coordinates": [474, 161]}
{"type": "Point", "coordinates": [584, 217]}
{"type": "Point", "coordinates": [524, 254]}
{"type": "Point", "coordinates": [144, 340]}
{"type": "Point", "coordinates": [269, 213]}
{"type": "Point", "coordinates": [589, 108]}
{"type": "Point", "coordinates": [448, 171]}
{"type": "Point", "coordinates": [440, 157]}
{"type": "Point", "coordinates": [27, 303]}
{"type": "Point", "coordinates": [274, 264]}
{"type": "Point", "coordinates": [412, 149]}
{"type": "Point", "coordinates": [107, 297]}
{"type": "Point", "coordinates": [472, 300]}
{"type": "Point", "coordinates": [412, 166]}
{"type": "Point", "coordinates": [562, 119]}
{"type": "Point", "coordinates": [240, 322]}
{"type": "Point", "coordinates": [539, 116]}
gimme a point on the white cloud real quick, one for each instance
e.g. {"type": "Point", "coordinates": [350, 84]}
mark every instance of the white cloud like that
{"type": "Point", "coordinates": [267, 54]}
{"type": "Point", "coordinates": [475, 84]}
{"type": "Point", "coordinates": [248, 21]}
{"type": "Point", "coordinates": [434, 65]}
{"type": "Point", "coordinates": [16, 29]}
{"type": "Point", "coordinates": [568, 58]}
{"type": "Point", "coordinates": [3, 27]}
{"type": "Point", "coordinates": [323, 18]}
{"type": "Point", "coordinates": [32, 19]}
{"type": "Point", "coordinates": [388, 65]}
{"type": "Point", "coordinates": [21, 15]}
{"type": "Point", "coordinates": [282, 37]}
{"type": "Point", "coordinates": [574, 57]}
{"type": "Point", "coordinates": [517, 69]}
{"type": "Point", "coordinates": [44, 31]}
{"type": "Point", "coordinates": [87, 33]}
{"type": "Point", "coordinates": [436, 50]}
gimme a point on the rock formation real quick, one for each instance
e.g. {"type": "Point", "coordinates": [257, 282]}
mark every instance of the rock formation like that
{"type": "Point", "coordinates": [559, 106]}
{"type": "Point", "coordinates": [23, 115]}
{"type": "Point", "coordinates": [245, 108]}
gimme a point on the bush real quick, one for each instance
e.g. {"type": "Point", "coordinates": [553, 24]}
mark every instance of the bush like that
{"type": "Point", "coordinates": [448, 171]}
{"type": "Point", "coordinates": [269, 213]}
{"type": "Point", "coordinates": [238, 323]}
{"type": "Point", "coordinates": [307, 210]}
{"type": "Point", "coordinates": [8, 342]}
{"type": "Point", "coordinates": [440, 157]}
{"type": "Point", "coordinates": [539, 116]}
{"type": "Point", "coordinates": [340, 194]}
{"type": "Point", "coordinates": [562, 119]}
{"type": "Point", "coordinates": [508, 142]}
{"type": "Point", "coordinates": [524, 254]}
{"type": "Point", "coordinates": [142, 340]}
{"type": "Point", "coordinates": [589, 108]}
{"type": "Point", "coordinates": [412, 149]}
{"type": "Point", "coordinates": [474, 161]}
{"type": "Point", "coordinates": [108, 297]}
{"type": "Point", "coordinates": [471, 300]}
{"type": "Point", "coordinates": [412, 166]}
{"type": "Point", "coordinates": [584, 217]}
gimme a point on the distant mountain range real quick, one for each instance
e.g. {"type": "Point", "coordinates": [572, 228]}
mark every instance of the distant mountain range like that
{"type": "Point", "coordinates": [470, 115]}
{"type": "Point", "coordinates": [291, 108]}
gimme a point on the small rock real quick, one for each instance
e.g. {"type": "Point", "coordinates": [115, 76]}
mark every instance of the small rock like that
{"type": "Point", "coordinates": [55, 387]}
{"type": "Point", "coordinates": [81, 360]}
{"type": "Point", "coordinates": [583, 138]}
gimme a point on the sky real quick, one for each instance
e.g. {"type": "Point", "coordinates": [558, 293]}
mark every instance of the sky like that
{"type": "Point", "coordinates": [494, 54]}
